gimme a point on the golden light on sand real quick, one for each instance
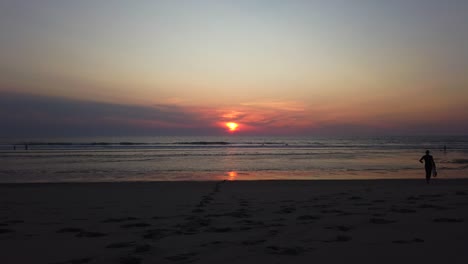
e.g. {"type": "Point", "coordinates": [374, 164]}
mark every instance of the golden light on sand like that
{"type": "Point", "coordinates": [232, 126]}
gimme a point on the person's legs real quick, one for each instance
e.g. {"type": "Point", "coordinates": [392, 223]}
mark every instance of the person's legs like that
{"type": "Point", "coordinates": [428, 174]}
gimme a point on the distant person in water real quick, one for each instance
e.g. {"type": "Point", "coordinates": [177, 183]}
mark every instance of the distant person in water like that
{"type": "Point", "coordinates": [429, 165]}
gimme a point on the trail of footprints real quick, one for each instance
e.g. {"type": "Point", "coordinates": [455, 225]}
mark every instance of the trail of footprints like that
{"type": "Point", "coordinates": [202, 220]}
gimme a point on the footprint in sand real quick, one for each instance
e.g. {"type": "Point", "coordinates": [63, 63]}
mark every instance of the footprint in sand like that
{"type": "Point", "coordinates": [286, 210]}
{"type": "Point", "coordinates": [216, 242]}
{"type": "Point", "coordinates": [121, 244]}
{"type": "Point", "coordinates": [333, 211]}
{"type": "Point", "coordinates": [76, 261]}
{"type": "Point", "coordinates": [381, 221]}
{"type": "Point", "coordinates": [130, 260]}
{"type": "Point", "coordinates": [241, 213]}
{"type": "Point", "coordinates": [342, 228]}
{"type": "Point", "coordinates": [433, 206]}
{"type": "Point", "coordinates": [118, 220]}
{"type": "Point", "coordinates": [253, 242]}
{"type": "Point", "coordinates": [183, 256]}
{"type": "Point", "coordinates": [243, 203]}
{"type": "Point", "coordinates": [289, 251]}
{"type": "Point", "coordinates": [135, 225]}
{"type": "Point", "coordinates": [375, 208]}
{"type": "Point", "coordinates": [13, 222]}
{"type": "Point", "coordinates": [402, 210]}
{"type": "Point", "coordinates": [339, 238]}
{"type": "Point", "coordinates": [304, 218]}
{"type": "Point", "coordinates": [251, 223]}
{"type": "Point", "coordinates": [155, 233]}
{"type": "Point", "coordinates": [142, 248]}
{"type": "Point", "coordinates": [379, 214]}
{"type": "Point", "coordinates": [448, 220]}
{"type": "Point", "coordinates": [200, 222]}
{"type": "Point", "coordinates": [79, 219]}
{"type": "Point", "coordinates": [437, 195]}
{"type": "Point", "coordinates": [70, 230]}
{"type": "Point", "coordinates": [5, 230]}
{"type": "Point", "coordinates": [220, 229]}
{"type": "Point", "coordinates": [273, 232]}
{"type": "Point", "coordinates": [362, 204]}
{"type": "Point", "coordinates": [402, 241]}
{"type": "Point", "coordinates": [90, 234]}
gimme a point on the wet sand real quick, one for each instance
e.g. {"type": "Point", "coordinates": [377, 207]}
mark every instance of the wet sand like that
{"type": "Point", "coordinates": [373, 221]}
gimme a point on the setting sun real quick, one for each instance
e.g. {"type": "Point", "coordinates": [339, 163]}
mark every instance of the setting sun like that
{"type": "Point", "coordinates": [232, 126]}
{"type": "Point", "coordinates": [232, 175]}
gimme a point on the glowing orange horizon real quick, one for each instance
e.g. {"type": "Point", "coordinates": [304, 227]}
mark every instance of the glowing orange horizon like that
{"type": "Point", "coordinates": [232, 126]}
{"type": "Point", "coordinates": [232, 175]}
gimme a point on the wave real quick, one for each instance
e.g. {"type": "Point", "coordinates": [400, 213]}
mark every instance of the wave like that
{"type": "Point", "coordinates": [460, 161]}
{"type": "Point", "coordinates": [397, 143]}
{"type": "Point", "coordinates": [78, 143]}
{"type": "Point", "coordinates": [203, 143]}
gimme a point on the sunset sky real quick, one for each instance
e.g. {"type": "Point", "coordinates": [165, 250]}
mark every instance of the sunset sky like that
{"type": "Point", "coordinates": [273, 67]}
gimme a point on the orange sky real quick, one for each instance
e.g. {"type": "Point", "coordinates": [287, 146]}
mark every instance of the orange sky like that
{"type": "Point", "coordinates": [282, 67]}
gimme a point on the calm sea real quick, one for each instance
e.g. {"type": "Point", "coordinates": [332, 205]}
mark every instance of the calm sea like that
{"type": "Point", "coordinates": [229, 158]}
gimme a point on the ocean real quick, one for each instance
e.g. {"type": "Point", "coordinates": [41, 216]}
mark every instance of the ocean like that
{"type": "Point", "coordinates": [192, 158]}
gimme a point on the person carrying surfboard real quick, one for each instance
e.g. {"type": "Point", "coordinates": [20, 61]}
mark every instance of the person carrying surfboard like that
{"type": "Point", "coordinates": [429, 165]}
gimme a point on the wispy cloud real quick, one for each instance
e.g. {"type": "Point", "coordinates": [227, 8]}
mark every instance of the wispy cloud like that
{"type": "Point", "coordinates": [290, 106]}
{"type": "Point", "coordinates": [32, 115]}
{"type": "Point", "coordinates": [268, 115]}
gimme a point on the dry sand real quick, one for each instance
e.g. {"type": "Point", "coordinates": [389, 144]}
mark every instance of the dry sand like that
{"type": "Point", "coordinates": [380, 221]}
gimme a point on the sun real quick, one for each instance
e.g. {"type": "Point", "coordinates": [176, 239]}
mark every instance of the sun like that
{"type": "Point", "coordinates": [232, 126]}
{"type": "Point", "coordinates": [232, 175]}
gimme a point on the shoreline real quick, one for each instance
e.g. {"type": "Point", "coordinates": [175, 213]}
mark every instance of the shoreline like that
{"type": "Point", "coordinates": [433, 181]}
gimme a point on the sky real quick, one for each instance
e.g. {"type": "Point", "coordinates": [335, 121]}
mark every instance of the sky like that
{"type": "Point", "coordinates": [364, 67]}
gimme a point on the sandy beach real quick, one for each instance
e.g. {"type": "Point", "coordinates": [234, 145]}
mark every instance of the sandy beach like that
{"type": "Point", "coordinates": [374, 221]}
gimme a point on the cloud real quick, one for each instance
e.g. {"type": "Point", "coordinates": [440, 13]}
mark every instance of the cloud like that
{"type": "Point", "coordinates": [25, 115]}
{"type": "Point", "coordinates": [268, 116]}
{"type": "Point", "coordinates": [32, 115]}
{"type": "Point", "coordinates": [290, 106]}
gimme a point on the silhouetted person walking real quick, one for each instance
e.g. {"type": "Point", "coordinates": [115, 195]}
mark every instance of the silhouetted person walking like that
{"type": "Point", "coordinates": [429, 165]}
